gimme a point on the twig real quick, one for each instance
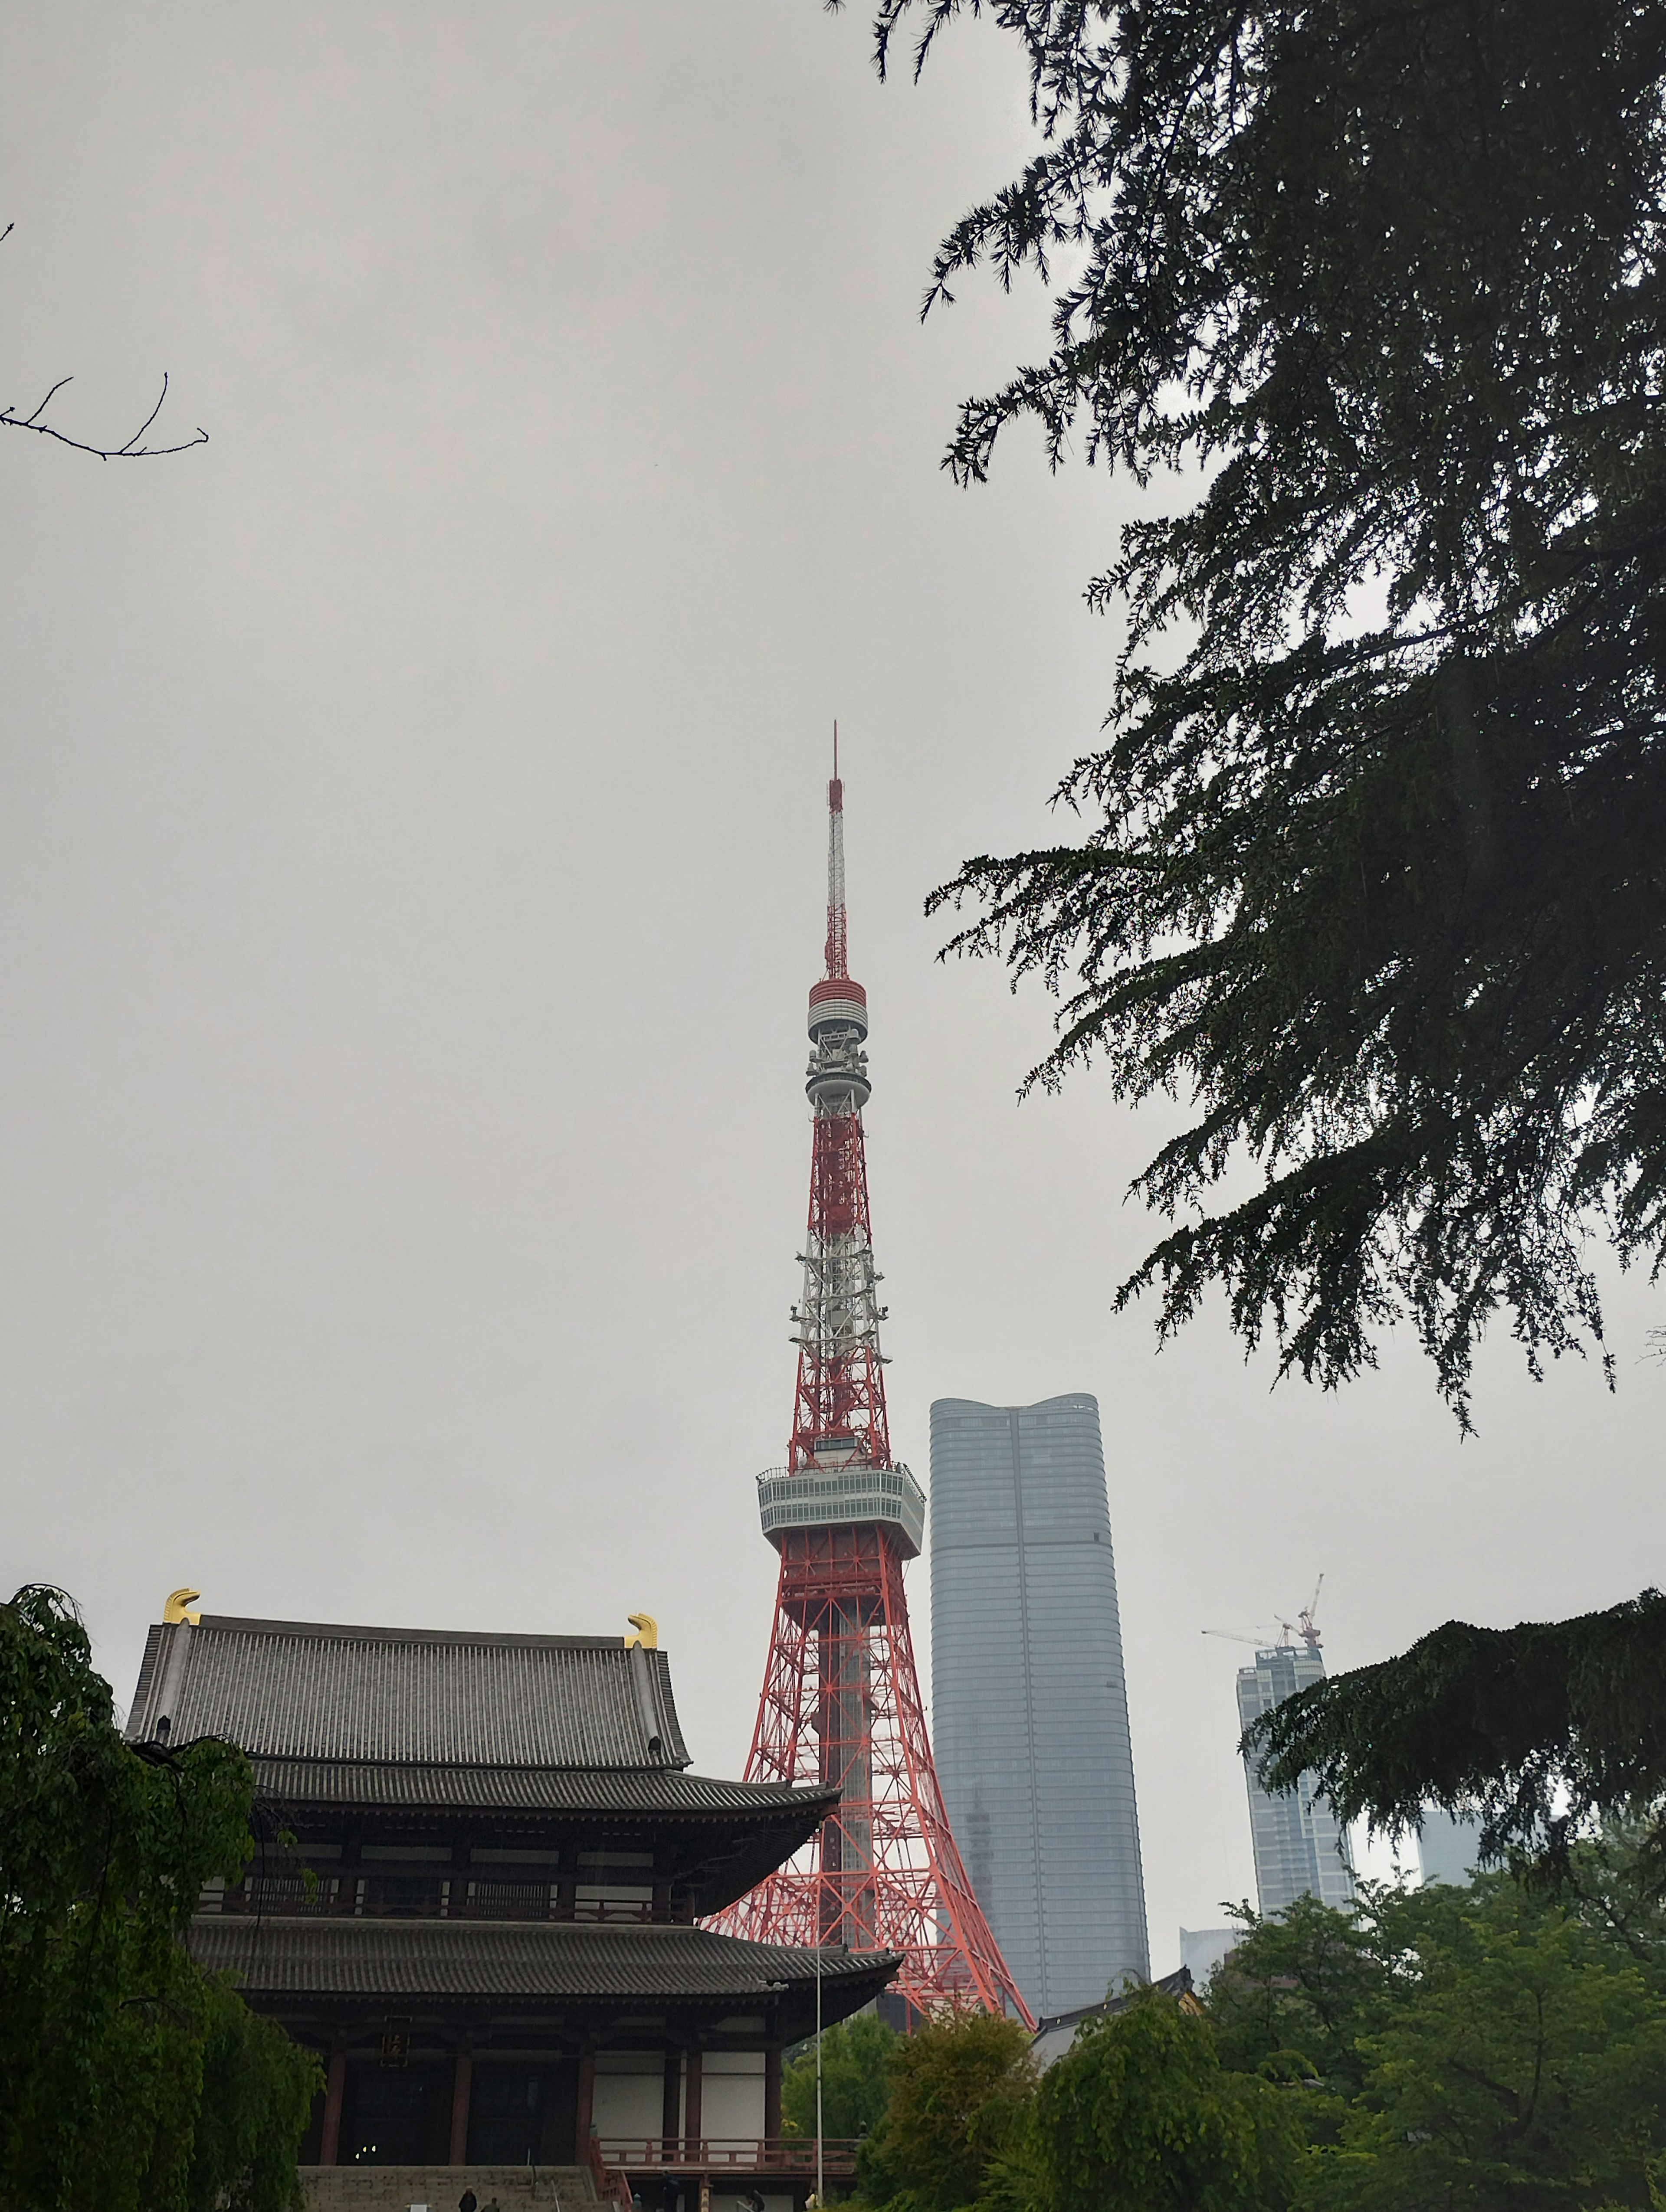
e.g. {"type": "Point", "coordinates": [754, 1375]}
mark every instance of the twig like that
{"type": "Point", "coordinates": [131, 451]}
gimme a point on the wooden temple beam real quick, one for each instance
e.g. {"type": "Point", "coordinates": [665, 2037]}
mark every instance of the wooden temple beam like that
{"type": "Point", "coordinates": [462, 2082]}
{"type": "Point", "coordinates": [587, 2103]}
{"type": "Point", "coordinates": [670, 2101]}
{"type": "Point", "coordinates": [772, 2092]}
{"type": "Point", "coordinates": [691, 2121]}
{"type": "Point", "coordinates": [334, 2086]}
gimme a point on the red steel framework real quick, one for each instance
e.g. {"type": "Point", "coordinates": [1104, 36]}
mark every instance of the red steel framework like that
{"type": "Point", "coordinates": [841, 1700]}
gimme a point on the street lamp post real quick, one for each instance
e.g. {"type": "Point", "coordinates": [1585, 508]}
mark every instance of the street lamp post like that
{"type": "Point", "coordinates": [820, 2194]}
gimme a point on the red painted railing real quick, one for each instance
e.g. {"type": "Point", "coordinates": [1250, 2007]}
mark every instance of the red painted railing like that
{"type": "Point", "coordinates": [728, 2153]}
{"type": "Point", "coordinates": [612, 2187]}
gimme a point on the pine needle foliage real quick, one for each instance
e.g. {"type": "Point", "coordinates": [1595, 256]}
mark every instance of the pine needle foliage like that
{"type": "Point", "coordinates": [1373, 863]}
{"type": "Point", "coordinates": [1546, 1730]}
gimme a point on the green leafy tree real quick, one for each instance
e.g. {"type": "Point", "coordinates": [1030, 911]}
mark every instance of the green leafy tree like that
{"type": "Point", "coordinates": [1544, 1730]}
{"type": "Point", "coordinates": [1139, 2115]}
{"type": "Point", "coordinates": [1521, 2067]}
{"type": "Point", "coordinates": [1489, 2047]}
{"type": "Point", "coordinates": [106, 2025]}
{"type": "Point", "coordinates": [855, 2080]}
{"type": "Point", "coordinates": [959, 2086]}
{"type": "Point", "coordinates": [1373, 863]}
{"type": "Point", "coordinates": [257, 2099]}
{"type": "Point", "coordinates": [1295, 1998]}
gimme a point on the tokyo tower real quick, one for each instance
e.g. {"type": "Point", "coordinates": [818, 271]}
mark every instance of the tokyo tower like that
{"type": "Point", "coordinates": [840, 1701]}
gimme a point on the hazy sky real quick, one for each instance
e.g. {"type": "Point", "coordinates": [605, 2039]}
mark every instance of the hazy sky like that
{"type": "Point", "coordinates": [410, 875]}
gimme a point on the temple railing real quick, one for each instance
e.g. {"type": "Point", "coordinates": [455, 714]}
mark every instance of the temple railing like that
{"type": "Point", "coordinates": [795, 2155]}
{"type": "Point", "coordinates": [611, 2186]}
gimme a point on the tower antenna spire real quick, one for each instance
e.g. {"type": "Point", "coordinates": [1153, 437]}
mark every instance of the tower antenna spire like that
{"type": "Point", "coordinates": [838, 942]}
{"type": "Point", "coordinates": [841, 1708]}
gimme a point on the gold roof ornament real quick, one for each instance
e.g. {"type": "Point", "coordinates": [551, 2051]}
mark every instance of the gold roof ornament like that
{"type": "Point", "coordinates": [177, 1606]}
{"type": "Point", "coordinates": [644, 1623]}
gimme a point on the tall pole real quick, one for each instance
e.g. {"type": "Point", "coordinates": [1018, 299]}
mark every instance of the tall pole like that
{"type": "Point", "coordinates": [819, 2078]}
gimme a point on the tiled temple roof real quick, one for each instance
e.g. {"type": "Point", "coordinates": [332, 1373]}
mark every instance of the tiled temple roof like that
{"type": "Point", "coordinates": [534, 1789]}
{"type": "Point", "coordinates": [304, 1690]}
{"type": "Point", "coordinates": [544, 1962]}
{"type": "Point", "coordinates": [425, 1731]}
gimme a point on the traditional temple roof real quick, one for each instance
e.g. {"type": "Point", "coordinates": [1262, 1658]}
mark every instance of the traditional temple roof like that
{"type": "Point", "coordinates": [411, 1731]}
{"type": "Point", "coordinates": [532, 1789]}
{"type": "Point", "coordinates": [309, 1690]}
{"type": "Point", "coordinates": [540, 1966]}
{"type": "Point", "coordinates": [1055, 2034]}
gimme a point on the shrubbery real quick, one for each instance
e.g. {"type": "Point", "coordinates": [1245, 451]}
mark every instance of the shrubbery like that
{"type": "Point", "coordinates": [1498, 2048]}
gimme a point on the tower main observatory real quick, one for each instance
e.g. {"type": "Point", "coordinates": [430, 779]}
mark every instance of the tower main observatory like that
{"type": "Point", "coordinates": [841, 1700]}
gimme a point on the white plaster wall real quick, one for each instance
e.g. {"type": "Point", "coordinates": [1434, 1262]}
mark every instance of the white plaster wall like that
{"type": "Point", "coordinates": [731, 2094]}
{"type": "Point", "coordinates": [629, 2094]}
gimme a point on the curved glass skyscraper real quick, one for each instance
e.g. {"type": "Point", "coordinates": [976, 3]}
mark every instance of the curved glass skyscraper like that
{"type": "Point", "coordinates": [1301, 1849]}
{"type": "Point", "coordinates": [1030, 1707]}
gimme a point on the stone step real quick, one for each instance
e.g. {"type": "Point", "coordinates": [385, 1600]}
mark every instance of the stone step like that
{"type": "Point", "coordinates": [439, 2188]}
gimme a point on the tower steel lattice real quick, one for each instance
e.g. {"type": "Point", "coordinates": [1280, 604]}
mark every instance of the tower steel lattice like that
{"type": "Point", "coordinates": [841, 1700]}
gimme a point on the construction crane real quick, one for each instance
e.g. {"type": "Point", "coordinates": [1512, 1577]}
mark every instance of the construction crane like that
{"type": "Point", "coordinates": [1286, 1630]}
{"type": "Point", "coordinates": [1309, 1630]}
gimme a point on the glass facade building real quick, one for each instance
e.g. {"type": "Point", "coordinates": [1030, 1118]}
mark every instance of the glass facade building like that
{"type": "Point", "coordinates": [1029, 1720]}
{"type": "Point", "coordinates": [1300, 1848]}
{"type": "Point", "coordinates": [1448, 1848]}
{"type": "Point", "coordinates": [1202, 1949]}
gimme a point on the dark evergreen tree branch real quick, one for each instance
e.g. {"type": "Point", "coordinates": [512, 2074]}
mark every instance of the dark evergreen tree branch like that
{"type": "Point", "coordinates": [1546, 1730]}
{"type": "Point", "coordinates": [1373, 863]}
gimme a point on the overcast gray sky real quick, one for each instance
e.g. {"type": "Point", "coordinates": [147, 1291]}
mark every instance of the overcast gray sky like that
{"type": "Point", "coordinates": [410, 874]}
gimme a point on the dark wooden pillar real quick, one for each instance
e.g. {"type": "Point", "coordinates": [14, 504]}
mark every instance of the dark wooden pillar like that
{"type": "Point", "coordinates": [567, 1883]}
{"type": "Point", "coordinates": [461, 2082]}
{"type": "Point", "coordinates": [691, 2128]}
{"type": "Point", "coordinates": [351, 1874]}
{"type": "Point", "coordinates": [334, 2086]}
{"type": "Point", "coordinates": [587, 2105]}
{"type": "Point", "coordinates": [671, 2102]}
{"type": "Point", "coordinates": [772, 2091]}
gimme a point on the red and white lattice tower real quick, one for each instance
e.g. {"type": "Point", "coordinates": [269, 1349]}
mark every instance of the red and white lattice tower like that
{"type": "Point", "coordinates": [841, 1700]}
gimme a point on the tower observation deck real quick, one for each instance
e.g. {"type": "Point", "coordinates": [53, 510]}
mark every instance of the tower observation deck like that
{"type": "Point", "coordinates": [840, 1702]}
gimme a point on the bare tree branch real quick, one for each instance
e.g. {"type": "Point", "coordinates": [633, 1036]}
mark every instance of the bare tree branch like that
{"type": "Point", "coordinates": [131, 450]}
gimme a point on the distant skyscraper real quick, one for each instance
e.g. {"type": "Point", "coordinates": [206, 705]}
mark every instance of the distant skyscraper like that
{"type": "Point", "coordinates": [1029, 1720]}
{"type": "Point", "coordinates": [1202, 1949]}
{"type": "Point", "coordinates": [1300, 1849]}
{"type": "Point", "coordinates": [1447, 1849]}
